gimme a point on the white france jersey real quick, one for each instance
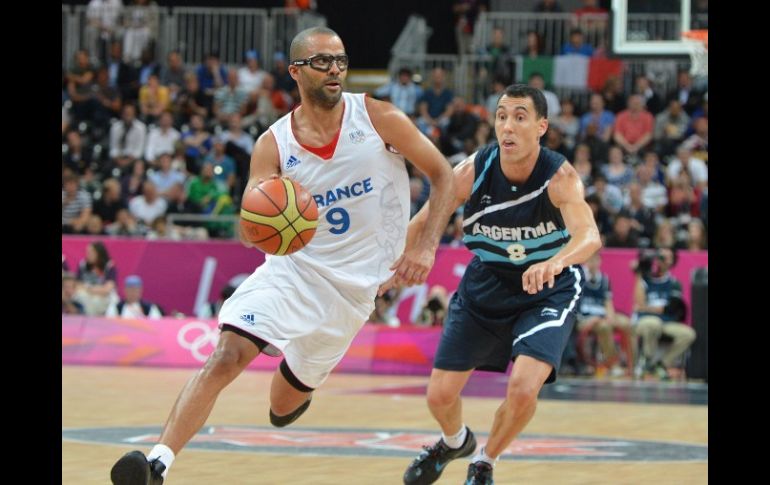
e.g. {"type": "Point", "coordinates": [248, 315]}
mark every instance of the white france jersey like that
{"type": "Point", "coordinates": [362, 193]}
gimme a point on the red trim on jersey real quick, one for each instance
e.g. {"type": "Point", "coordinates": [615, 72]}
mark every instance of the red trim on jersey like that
{"type": "Point", "coordinates": [327, 151]}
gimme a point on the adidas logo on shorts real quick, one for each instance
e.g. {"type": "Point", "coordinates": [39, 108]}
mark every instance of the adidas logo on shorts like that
{"type": "Point", "coordinates": [248, 318]}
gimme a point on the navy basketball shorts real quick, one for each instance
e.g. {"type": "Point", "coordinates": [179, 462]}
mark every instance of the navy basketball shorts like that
{"type": "Point", "coordinates": [488, 337]}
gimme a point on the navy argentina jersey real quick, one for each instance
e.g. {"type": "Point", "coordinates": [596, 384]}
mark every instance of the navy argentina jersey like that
{"type": "Point", "coordinates": [510, 228]}
{"type": "Point", "coordinates": [513, 227]}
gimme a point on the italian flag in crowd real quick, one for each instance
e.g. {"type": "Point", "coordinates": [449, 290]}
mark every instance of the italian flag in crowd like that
{"type": "Point", "coordinates": [571, 71]}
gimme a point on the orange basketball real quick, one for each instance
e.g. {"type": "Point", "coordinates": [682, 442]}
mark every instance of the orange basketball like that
{"type": "Point", "coordinates": [279, 216]}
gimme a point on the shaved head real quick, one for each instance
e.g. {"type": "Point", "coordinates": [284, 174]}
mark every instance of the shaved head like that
{"type": "Point", "coordinates": [299, 45]}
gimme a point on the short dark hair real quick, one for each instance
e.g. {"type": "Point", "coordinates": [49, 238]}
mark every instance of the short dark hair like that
{"type": "Point", "coordinates": [524, 91]}
{"type": "Point", "coordinates": [299, 43]}
{"type": "Point", "coordinates": [405, 70]}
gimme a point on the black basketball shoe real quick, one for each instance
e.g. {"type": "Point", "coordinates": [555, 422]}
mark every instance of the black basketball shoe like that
{"type": "Point", "coordinates": [134, 469]}
{"type": "Point", "coordinates": [430, 463]}
{"type": "Point", "coordinates": [479, 473]}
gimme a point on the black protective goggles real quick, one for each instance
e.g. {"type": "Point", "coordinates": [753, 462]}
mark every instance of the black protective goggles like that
{"type": "Point", "coordinates": [323, 62]}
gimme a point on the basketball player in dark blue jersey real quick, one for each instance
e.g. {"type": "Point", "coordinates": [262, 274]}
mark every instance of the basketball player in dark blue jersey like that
{"type": "Point", "coordinates": [527, 222]}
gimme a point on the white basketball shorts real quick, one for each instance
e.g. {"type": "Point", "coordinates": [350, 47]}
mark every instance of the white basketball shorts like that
{"type": "Point", "coordinates": [300, 314]}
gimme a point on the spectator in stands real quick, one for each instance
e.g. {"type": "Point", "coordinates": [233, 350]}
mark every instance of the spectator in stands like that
{"type": "Point", "coordinates": [265, 105]}
{"type": "Point", "coordinates": [642, 217]}
{"type": "Point", "coordinates": [197, 142]}
{"type": "Point", "coordinates": [466, 12]}
{"type": "Point", "coordinates": [251, 75]}
{"type": "Point", "coordinates": [597, 315]}
{"type": "Point", "coordinates": [191, 101]}
{"type": "Point", "coordinates": [548, 6]}
{"type": "Point", "coordinates": [500, 65]}
{"type": "Point", "coordinates": [434, 311]}
{"type": "Point", "coordinates": [599, 148]}
{"type": "Point", "coordinates": [127, 138]}
{"type": "Point", "coordinates": [688, 96]}
{"type": "Point", "coordinates": [154, 99]}
{"type": "Point", "coordinates": [554, 140]}
{"type": "Point", "coordinates": [567, 123]}
{"type": "Point", "coordinates": [534, 45]}
{"type": "Point", "coordinates": [165, 176]}
{"type": "Point", "coordinates": [435, 106]}
{"type": "Point", "coordinates": [698, 142]}
{"type": "Point", "coordinates": [462, 126]}
{"type": "Point", "coordinates": [612, 93]}
{"type": "Point", "coordinates": [654, 194]}
{"type": "Point", "coordinates": [229, 99]}
{"type": "Point", "coordinates": [96, 276]}
{"type": "Point", "coordinates": [416, 186]}
{"type": "Point", "coordinates": [577, 44]}
{"type": "Point", "coordinates": [132, 183]}
{"type": "Point", "coordinates": [146, 207]}
{"type": "Point", "coordinates": [601, 216]}
{"type": "Point", "coordinates": [655, 291]}
{"type": "Point", "coordinates": [224, 166]}
{"type": "Point", "coordinates": [385, 308]}
{"type": "Point", "coordinates": [603, 119]}
{"type": "Point", "coordinates": [211, 74]}
{"type": "Point", "coordinates": [696, 232]}
{"type": "Point", "coordinates": [610, 195]}
{"type": "Point", "coordinates": [108, 205]}
{"type": "Point", "coordinates": [634, 126]}
{"type": "Point", "coordinates": [80, 80]}
{"type": "Point", "coordinates": [652, 160]}
{"type": "Point", "coordinates": [490, 103]}
{"type": "Point", "coordinates": [95, 226]}
{"type": "Point", "coordinates": [75, 206]}
{"type": "Point", "coordinates": [665, 236]}
{"type": "Point", "coordinates": [140, 22]}
{"type": "Point", "coordinates": [162, 139]}
{"type": "Point", "coordinates": [132, 305]}
{"type": "Point", "coordinates": [402, 92]}
{"type": "Point", "coordinates": [162, 229]}
{"type": "Point", "coordinates": [77, 157]}
{"type": "Point", "coordinates": [683, 205]}
{"type": "Point", "coordinates": [121, 75]}
{"type": "Point", "coordinates": [211, 310]}
{"type": "Point", "coordinates": [238, 145]}
{"type": "Point", "coordinates": [643, 87]}
{"type": "Point", "coordinates": [670, 126]}
{"type": "Point", "coordinates": [582, 164]}
{"type": "Point", "coordinates": [695, 167]}
{"type": "Point", "coordinates": [107, 102]}
{"type": "Point", "coordinates": [617, 171]}
{"type": "Point", "coordinates": [178, 202]}
{"type": "Point", "coordinates": [102, 16]}
{"type": "Point", "coordinates": [69, 303]}
{"type": "Point", "coordinates": [124, 225]}
{"type": "Point", "coordinates": [206, 193]}
{"type": "Point", "coordinates": [173, 73]}
{"type": "Point", "coordinates": [148, 66]}
{"type": "Point", "coordinates": [283, 79]}
{"type": "Point", "coordinates": [623, 234]}
{"type": "Point", "coordinates": [554, 108]}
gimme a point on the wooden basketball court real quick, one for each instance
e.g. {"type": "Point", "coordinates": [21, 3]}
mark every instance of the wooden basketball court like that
{"type": "Point", "coordinates": [124, 397]}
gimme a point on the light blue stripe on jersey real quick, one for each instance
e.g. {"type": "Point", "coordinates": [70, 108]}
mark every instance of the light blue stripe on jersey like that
{"type": "Point", "coordinates": [483, 173]}
{"type": "Point", "coordinates": [527, 243]}
{"type": "Point", "coordinates": [485, 255]}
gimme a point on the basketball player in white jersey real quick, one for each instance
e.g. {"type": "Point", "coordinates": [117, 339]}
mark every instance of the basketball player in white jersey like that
{"type": "Point", "coordinates": [348, 151]}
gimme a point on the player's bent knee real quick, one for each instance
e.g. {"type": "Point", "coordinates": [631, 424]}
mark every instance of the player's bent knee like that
{"type": "Point", "coordinates": [224, 360]}
{"type": "Point", "coordinates": [281, 421]}
{"type": "Point", "coordinates": [522, 393]}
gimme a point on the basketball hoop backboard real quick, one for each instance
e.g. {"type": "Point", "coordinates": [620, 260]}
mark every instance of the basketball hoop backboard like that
{"type": "Point", "coordinates": [655, 27]}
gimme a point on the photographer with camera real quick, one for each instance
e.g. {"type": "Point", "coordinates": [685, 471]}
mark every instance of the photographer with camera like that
{"type": "Point", "coordinates": [659, 311]}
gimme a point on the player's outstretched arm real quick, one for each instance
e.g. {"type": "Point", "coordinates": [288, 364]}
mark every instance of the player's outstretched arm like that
{"type": "Point", "coordinates": [265, 163]}
{"type": "Point", "coordinates": [398, 130]}
{"type": "Point", "coordinates": [566, 193]}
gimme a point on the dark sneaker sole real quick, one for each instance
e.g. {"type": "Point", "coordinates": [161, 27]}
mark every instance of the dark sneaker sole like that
{"type": "Point", "coordinates": [427, 480]}
{"type": "Point", "coordinates": [131, 469]}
